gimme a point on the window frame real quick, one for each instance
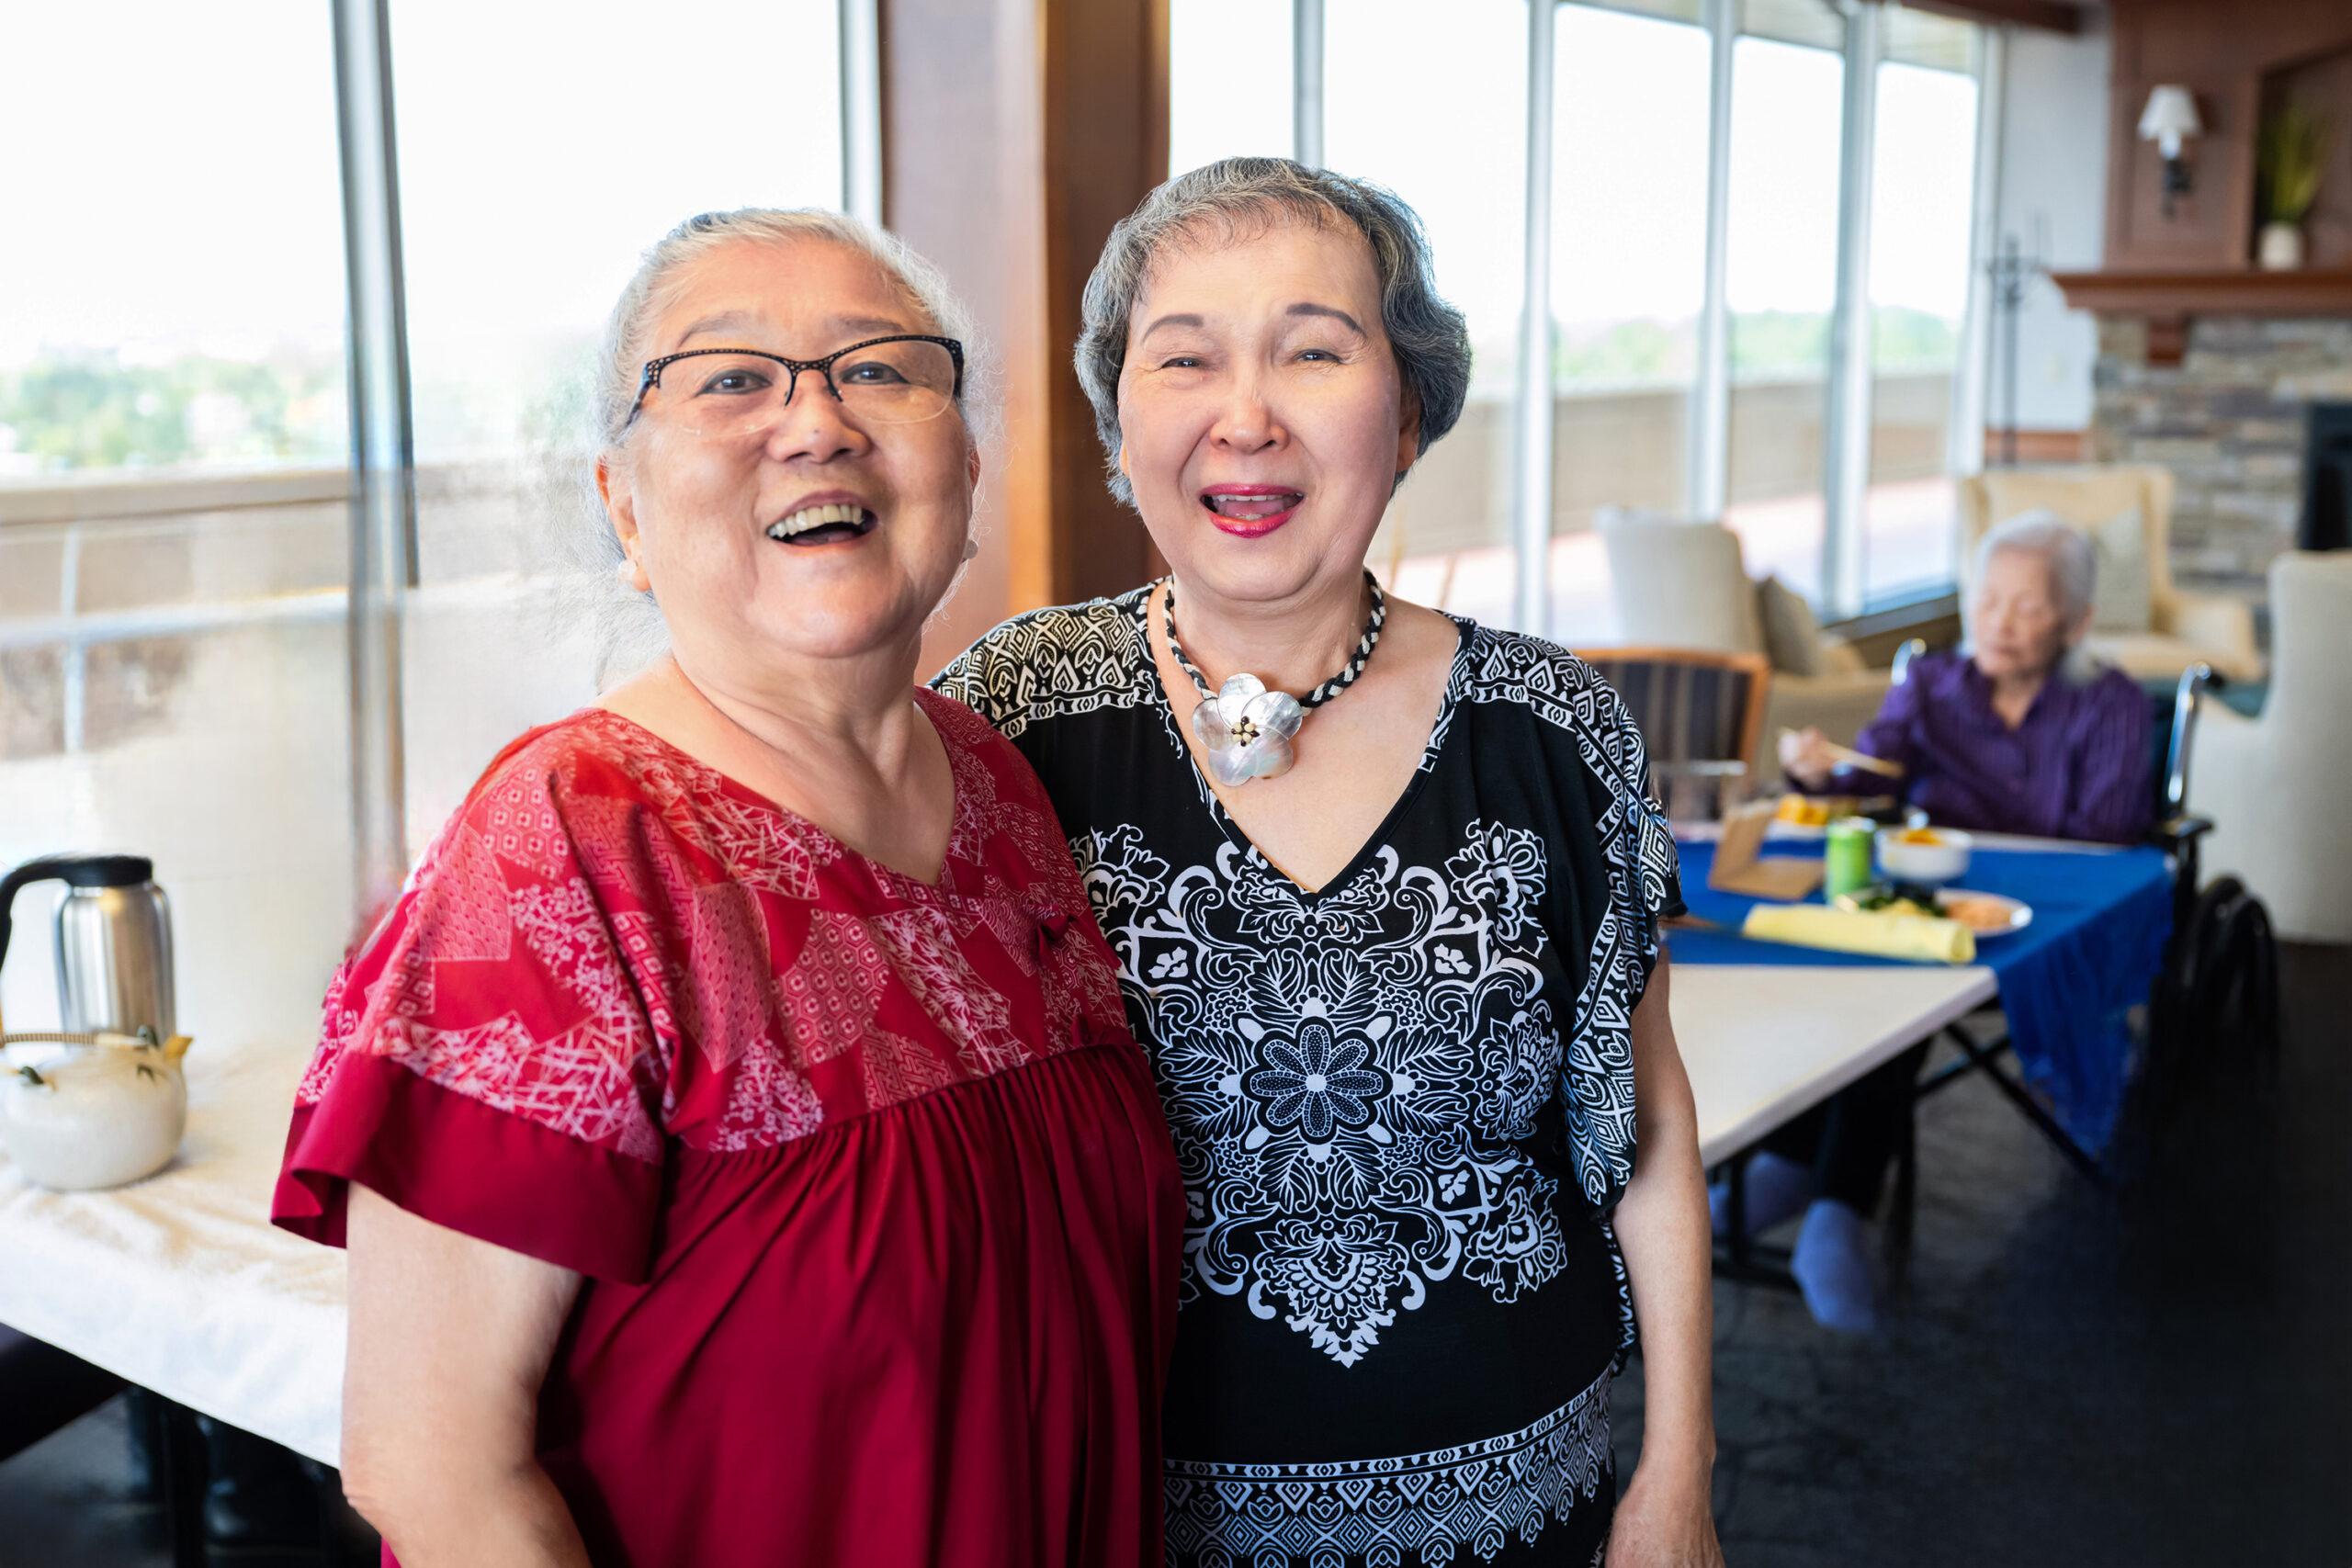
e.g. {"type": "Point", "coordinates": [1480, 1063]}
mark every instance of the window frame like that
{"type": "Point", "coordinates": [384, 449]}
{"type": "Point", "coordinates": [1846, 447]}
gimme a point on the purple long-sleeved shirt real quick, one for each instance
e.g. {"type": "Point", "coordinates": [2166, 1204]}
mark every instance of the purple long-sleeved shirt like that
{"type": "Point", "coordinates": [2077, 768]}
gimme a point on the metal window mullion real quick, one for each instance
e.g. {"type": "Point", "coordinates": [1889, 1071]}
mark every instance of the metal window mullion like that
{"type": "Point", "coordinates": [1306, 81]}
{"type": "Point", "coordinates": [1707, 477]}
{"type": "Point", "coordinates": [1846, 458]}
{"type": "Point", "coordinates": [1532, 405]}
{"type": "Point", "coordinates": [860, 86]}
{"type": "Point", "coordinates": [383, 465]}
{"type": "Point", "coordinates": [75, 661]}
{"type": "Point", "coordinates": [1964, 436]}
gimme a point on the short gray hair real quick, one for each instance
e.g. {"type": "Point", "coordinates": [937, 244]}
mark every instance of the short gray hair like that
{"type": "Point", "coordinates": [2067, 551]}
{"type": "Point", "coordinates": [2073, 562]}
{"type": "Point", "coordinates": [1430, 337]}
{"type": "Point", "coordinates": [630, 626]}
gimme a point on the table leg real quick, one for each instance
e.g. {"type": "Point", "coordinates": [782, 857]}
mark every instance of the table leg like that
{"type": "Point", "coordinates": [183, 1463]}
{"type": "Point", "coordinates": [1985, 1059]}
{"type": "Point", "coordinates": [1738, 1180]}
{"type": "Point", "coordinates": [1739, 1257]}
{"type": "Point", "coordinates": [1901, 1219]}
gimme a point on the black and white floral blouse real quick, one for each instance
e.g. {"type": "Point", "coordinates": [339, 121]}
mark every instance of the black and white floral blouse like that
{"type": "Point", "coordinates": [1403, 1103]}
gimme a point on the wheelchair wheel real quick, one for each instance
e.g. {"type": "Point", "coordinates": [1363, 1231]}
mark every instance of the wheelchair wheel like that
{"type": "Point", "coordinates": [2217, 1003]}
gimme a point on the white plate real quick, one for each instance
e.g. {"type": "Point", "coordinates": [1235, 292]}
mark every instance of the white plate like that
{"type": "Point", "coordinates": [2020, 913]}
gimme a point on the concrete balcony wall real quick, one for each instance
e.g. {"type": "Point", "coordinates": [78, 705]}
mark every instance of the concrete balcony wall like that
{"type": "Point", "coordinates": [1625, 447]}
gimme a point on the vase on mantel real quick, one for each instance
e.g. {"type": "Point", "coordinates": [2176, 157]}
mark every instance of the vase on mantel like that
{"type": "Point", "coordinates": [2279, 247]}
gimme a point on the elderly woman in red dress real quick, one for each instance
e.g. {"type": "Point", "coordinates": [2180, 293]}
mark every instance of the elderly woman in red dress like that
{"type": "Point", "coordinates": [741, 1151]}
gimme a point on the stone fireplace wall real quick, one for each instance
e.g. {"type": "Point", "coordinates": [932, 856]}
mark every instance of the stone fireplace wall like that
{"type": "Point", "coordinates": [2229, 421]}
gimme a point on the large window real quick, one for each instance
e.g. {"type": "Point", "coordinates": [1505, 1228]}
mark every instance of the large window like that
{"type": "Point", "coordinates": [173, 431]}
{"type": "Point", "coordinates": [1229, 81]}
{"type": "Point", "coordinates": [1781, 287]}
{"type": "Point", "coordinates": [177, 523]}
{"type": "Point", "coordinates": [1761, 216]}
{"type": "Point", "coordinates": [1922, 190]}
{"type": "Point", "coordinates": [1629, 281]}
{"type": "Point", "coordinates": [1448, 533]}
{"type": "Point", "coordinates": [508, 286]}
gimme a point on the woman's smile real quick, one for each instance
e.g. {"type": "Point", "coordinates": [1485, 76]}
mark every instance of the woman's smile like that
{"type": "Point", "coordinates": [829, 517]}
{"type": "Point", "coordinates": [1250, 512]}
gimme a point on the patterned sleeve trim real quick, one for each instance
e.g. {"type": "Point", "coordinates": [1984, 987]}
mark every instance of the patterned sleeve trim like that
{"type": "Point", "coordinates": [499, 976]}
{"type": "Point", "coordinates": [1052, 663]}
{"type": "Point", "coordinates": [461, 1164]}
{"type": "Point", "coordinates": [1644, 880]}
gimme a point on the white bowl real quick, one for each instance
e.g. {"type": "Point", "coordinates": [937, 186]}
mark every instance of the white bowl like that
{"type": "Point", "coordinates": [1930, 864]}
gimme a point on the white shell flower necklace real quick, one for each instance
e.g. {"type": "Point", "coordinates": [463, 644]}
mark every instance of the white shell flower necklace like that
{"type": "Point", "coordinates": [1246, 729]}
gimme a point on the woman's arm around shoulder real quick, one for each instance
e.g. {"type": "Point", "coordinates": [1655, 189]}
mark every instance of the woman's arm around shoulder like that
{"type": "Point", "coordinates": [450, 1338]}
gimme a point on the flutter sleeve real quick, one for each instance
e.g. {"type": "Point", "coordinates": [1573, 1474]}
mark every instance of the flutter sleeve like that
{"type": "Point", "coordinates": [486, 1061]}
{"type": "Point", "coordinates": [1646, 870]}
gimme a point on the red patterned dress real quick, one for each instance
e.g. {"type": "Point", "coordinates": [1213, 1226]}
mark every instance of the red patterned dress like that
{"type": "Point", "coordinates": [867, 1177]}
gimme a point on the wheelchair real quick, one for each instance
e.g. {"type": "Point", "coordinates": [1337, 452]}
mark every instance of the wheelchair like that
{"type": "Point", "coordinates": [2216, 1006]}
{"type": "Point", "coordinates": [2213, 1010]}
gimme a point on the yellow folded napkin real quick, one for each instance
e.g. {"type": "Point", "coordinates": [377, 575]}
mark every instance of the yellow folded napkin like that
{"type": "Point", "coordinates": [1885, 936]}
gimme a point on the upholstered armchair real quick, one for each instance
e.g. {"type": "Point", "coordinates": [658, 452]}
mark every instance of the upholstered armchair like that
{"type": "Point", "coordinates": [2274, 787]}
{"type": "Point", "coordinates": [1677, 584]}
{"type": "Point", "coordinates": [2150, 637]}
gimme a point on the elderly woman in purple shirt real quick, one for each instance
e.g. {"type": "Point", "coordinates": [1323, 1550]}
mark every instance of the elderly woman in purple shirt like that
{"type": "Point", "coordinates": [2019, 732]}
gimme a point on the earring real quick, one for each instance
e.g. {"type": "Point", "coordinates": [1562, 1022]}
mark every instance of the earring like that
{"type": "Point", "coordinates": [628, 572]}
{"type": "Point", "coordinates": [971, 549]}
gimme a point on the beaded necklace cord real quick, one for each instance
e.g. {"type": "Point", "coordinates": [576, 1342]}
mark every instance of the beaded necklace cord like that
{"type": "Point", "coordinates": [1247, 729]}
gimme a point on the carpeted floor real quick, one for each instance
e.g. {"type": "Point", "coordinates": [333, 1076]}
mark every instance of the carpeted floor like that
{"type": "Point", "coordinates": [2158, 1377]}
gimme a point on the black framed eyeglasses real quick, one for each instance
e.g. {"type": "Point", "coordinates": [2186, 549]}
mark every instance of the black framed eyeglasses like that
{"type": "Point", "coordinates": [903, 378]}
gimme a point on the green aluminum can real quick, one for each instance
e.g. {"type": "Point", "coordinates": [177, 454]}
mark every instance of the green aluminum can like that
{"type": "Point", "coordinates": [1846, 856]}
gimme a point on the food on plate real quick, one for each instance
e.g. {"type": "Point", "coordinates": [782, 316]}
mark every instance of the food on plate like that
{"type": "Point", "coordinates": [1976, 912]}
{"type": "Point", "coordinates": [1808, 810]}
{"type": "Point", "coordinates": [1920, 836]}
{"type": "Point", "coordinates": [1820, 810]}
{"type": "Point", "coordinates": [1881, 899]}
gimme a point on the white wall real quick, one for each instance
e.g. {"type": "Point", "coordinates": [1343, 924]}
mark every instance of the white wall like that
{"type": "Point", "coordinates": [2054, 184]}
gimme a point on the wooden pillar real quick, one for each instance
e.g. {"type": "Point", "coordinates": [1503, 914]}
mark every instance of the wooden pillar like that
{"type": "Point", "coordinates": [1014, 133]}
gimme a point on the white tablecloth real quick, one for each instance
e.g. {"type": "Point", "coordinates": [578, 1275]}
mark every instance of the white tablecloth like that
{"type": "Point", "coordinates": [179, 1282]}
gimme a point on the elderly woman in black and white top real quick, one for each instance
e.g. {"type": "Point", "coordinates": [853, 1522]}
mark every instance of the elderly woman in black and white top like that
{"type": "Point", "coordinates": [1385, 888]}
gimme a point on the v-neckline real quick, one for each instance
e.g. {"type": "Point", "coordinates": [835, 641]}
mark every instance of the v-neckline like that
{"type": "Point", "coordinates": [1238, 836]}
{"type": "Point", "coordinates": [904, 881]}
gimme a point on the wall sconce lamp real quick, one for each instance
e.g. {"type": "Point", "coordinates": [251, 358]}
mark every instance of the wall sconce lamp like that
{"type": "Point", "coordinates": [2170, 120]}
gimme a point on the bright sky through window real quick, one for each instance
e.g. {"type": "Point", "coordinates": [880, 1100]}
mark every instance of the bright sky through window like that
{"type": "Point", "coordinates": [1229, 81]}
{"type": "Point", "coordinates": [187, 202]}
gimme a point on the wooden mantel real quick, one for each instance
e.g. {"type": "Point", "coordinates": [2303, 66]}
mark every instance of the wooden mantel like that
{"type": "Point", "coordinates": [2168, 300]}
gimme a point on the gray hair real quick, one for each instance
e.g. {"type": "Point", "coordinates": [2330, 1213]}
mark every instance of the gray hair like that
{"type": "Point", "coordinates": [2073, 563]}
{"type": "Point", "coordinates": [631, 629]}
{"type": "Point", "coordinates": [1429, 336]}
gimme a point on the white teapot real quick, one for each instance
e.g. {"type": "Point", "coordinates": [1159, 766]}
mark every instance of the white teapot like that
{"type": "Point", "coordinates": [107, 1109]}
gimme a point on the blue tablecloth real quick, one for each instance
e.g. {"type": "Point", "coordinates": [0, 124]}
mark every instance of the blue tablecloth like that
{"type": "Point", "coordinates": [2068, 980]}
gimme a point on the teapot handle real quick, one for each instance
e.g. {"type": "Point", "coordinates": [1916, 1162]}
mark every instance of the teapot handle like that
{"type": "Point", "coordinates": [80, 870]}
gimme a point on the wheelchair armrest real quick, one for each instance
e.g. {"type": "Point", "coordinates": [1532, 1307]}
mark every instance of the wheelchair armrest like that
{"type": "Point", "coordinates": [2176, 833]}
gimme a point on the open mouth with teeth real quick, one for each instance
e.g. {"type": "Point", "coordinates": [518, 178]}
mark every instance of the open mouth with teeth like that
{"type": "Point", "coordinates": [1251, 510]}
{"type": "Point", "coordinates": [831, 523]}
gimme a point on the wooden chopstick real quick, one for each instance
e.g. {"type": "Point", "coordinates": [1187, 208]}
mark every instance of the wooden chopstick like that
{"type": "Point", "coordinates": [1861, 759]}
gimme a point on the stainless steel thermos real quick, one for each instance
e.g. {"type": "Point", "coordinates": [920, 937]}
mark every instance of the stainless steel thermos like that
{"type": "Point", "coordinates": [114, 941]}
